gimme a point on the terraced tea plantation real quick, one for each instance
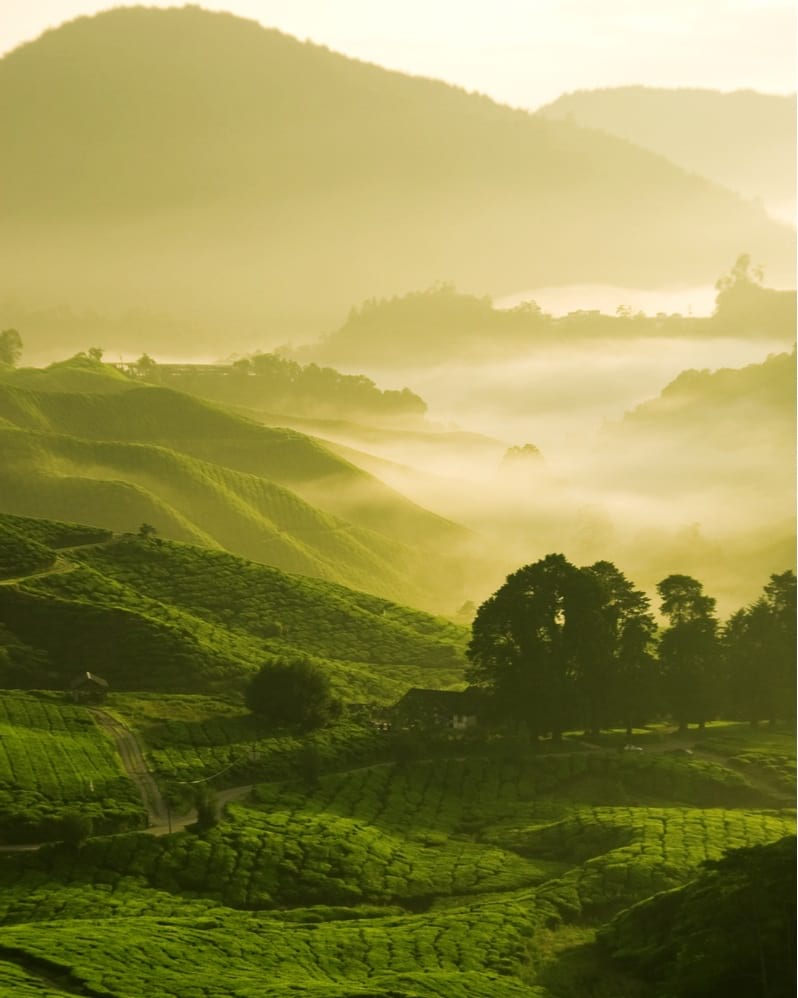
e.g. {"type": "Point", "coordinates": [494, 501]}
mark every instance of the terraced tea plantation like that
{"type": "Point", "coordinates": [462, 876]}
{"type": "Point", "coordinates": [55, 761]}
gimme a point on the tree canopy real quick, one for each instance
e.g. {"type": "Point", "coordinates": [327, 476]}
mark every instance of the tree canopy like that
{"type": "Point", "coordinates": [560, 645]}
{"type": "Point", "coordinates": [292, 692]}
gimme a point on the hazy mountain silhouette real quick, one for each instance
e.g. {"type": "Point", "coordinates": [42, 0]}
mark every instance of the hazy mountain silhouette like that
{"type": "Point", "coordinates": [194, 163]}
{"type": "Point", "coordinates": [729, 432]}
{"type": "Point", "coordinates": [440, 324]}
{"type": "Point", "coordinates": [743, 140]}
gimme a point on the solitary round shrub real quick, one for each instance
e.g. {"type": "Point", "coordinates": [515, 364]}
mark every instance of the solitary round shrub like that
{"type": "Point", "coordinates": [292, 692]}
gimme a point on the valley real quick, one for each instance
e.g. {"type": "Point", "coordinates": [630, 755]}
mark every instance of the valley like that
{"type": "Point", "coordinates": [397, 501]}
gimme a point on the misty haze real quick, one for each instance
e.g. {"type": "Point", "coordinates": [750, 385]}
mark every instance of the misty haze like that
{"type": "Point", "coordinates": [397, 500]}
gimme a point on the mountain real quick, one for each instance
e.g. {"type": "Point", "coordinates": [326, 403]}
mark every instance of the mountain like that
{"type": "Point", "coordinates": [743, 140]}
{"type": "Point", "coordinates": [149, 614]}
{"type": "Point", "coordinates": [249, 186]}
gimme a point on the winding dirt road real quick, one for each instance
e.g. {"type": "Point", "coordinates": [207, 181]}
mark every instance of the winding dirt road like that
{"type": "Point", "coordinates": [161, 820]}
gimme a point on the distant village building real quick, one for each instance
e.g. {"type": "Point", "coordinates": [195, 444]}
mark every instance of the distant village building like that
{"type": "Point", "coordinates": [88, 688]}
{"type": "Point", "coordinates": [456, 710]}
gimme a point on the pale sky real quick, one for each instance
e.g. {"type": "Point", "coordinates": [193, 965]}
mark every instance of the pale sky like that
{"type": "Point", "coordinates": [523, 52]}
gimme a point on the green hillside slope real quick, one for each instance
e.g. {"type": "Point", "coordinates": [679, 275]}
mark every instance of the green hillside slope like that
{"type": "Point", "coordinates": [732, 930]}
{"type": "Point", "coordinates": [119, 486]}
{"type": "Point", "coordinates": [153, 615]}
{"type": "Point", "coordinates": [290, 181]}
{"type": "Point", "coordinates": [743, 140]}
{"type": "Point", "coordinates": [166, 418]}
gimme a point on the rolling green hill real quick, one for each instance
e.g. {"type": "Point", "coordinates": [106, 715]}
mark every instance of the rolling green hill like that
{"type": "Point", "coordinates": [450, 878]}
{"type": "Point", "coordinates": [203, 474]}
{"type": "Point", "coordinates": [743, 140]}
{"type": "Point", "coordinates": [154, 615]}
{"type": "Point", "coordinates": [290, 181]}
{"type": "Point", "coordinates": [167, 418]}
{"type": "Point", "coordinates": [54, 763]}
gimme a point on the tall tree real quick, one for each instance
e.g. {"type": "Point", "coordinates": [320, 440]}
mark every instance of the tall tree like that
{"type": "Point", "coordinates": [622, 686]}
{"type": "Point", "coordinates": [689, 650]}
{"type": "Point", "coordinates": [534, 641]}
{"type": "Point", "coordinates": [758, 645]}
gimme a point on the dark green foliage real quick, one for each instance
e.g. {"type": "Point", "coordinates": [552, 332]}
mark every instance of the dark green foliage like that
{"type": "Point", "coordinates": [562, 646]}
{"type": "Point", "coordinates": [21, 555]}
{"type": "Point", "coordinates": [731, 931]}
{"type": "Point", "coordinates": [76, 827]}
{"type": "Point", "coordinates": [689, 652]}
{"type": "Point", "coordinates": [287, 692]}
{"type": "Point", "coordinates": [207, 807]}
{"type": "Point", "coordinates": [759, 646]}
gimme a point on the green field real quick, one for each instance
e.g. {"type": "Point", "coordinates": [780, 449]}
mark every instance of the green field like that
{"type": "Point", "coordinates": [54, 761]}
{"type": "Point", "coordinates": [448, 877]}
{"type": "Point", "coordinates": [157, 615]}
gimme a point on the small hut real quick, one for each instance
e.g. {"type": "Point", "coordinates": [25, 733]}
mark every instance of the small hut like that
{"type": "Point", "coordinates": [457, 710]}
{"type": "Point", "coordinates": [88, 688]}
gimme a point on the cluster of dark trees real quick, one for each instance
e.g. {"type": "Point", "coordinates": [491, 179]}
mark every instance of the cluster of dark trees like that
{"type": "Point", "coordinates": [277, 384]}
{"type": "Point", "coordinates": [561, 647]}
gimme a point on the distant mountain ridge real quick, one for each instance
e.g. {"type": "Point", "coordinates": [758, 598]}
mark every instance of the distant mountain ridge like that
{"type": "Point", "coordinates": [743, 140]}
{"type": "Point", "coordinates": [196, 164]}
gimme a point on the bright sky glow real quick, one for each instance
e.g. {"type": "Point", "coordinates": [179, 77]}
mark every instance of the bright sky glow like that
{"type": "Point", "coordinates": [523, 52]}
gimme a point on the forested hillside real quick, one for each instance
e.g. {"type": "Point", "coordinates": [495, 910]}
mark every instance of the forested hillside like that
{"type": "Point", "coordinates": [270, 152]}
{"type": "Point", "coordinates": [441, 325]}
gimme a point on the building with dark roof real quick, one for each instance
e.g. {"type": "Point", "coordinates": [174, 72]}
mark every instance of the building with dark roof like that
{"type": "Point", "coordinates": [88, 688]}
